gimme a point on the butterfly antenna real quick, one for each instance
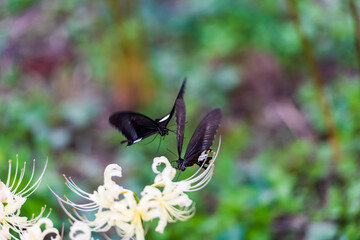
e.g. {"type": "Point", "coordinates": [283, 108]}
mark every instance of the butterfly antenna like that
{"type": "Point", "coordinates": [172, 153]}
{"type": "Point", "coordinates": [159, 145]}
{"type": "Point", "coordinates": [173, 131]}
{"type": "Point", "coordinates": [152, 139]}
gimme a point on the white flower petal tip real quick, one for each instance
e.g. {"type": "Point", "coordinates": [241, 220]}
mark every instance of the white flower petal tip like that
{"type": "Point", "coordinates": [80, 231]}
{"type": "Point", "coordinates": [158, 161]}
{"type": "Point", "coordinates": [35, 232]}
{"type": "Point", "coordinates": [167, 174]}
{"type": "Point", "coordinates": [112, 170]}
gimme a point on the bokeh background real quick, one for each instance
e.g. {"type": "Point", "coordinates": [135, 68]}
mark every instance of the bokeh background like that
{"type": "Point", "coordinates": [284, 72]}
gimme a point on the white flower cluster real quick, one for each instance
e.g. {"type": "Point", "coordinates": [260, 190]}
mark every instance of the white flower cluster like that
{"type": "Point", "coordinates": [12, 225]}
{"type": "Point", "coordinates": [120, 208]}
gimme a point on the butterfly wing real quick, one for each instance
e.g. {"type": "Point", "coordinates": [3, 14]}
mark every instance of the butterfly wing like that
{"type": "Point", "coordinates": [134, 126]}
{"type": "Point", "coordinates": [204, 135]}
{"type": "Point", "coordinates": [180, 122]}
{"type": "Point", "coordinates": [163, 122]}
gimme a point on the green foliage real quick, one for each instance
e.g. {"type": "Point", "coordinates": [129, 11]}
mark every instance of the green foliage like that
{"type": "Point", "coordinates": [17, 6]}
{"type": "Point", "coordinates": [264, 187]}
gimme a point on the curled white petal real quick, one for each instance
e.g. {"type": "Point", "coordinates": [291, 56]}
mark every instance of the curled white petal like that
{"type": "Point", "coordinates": [35, 232]}
{"type": "Point", "coordinates": [112, 170]}
{"type": "Point", "coordinates": [158, 161]}
{"type": "Point", "coordinates": [168, 173]}
{"type": "Point", "coordinates": [80, 231]}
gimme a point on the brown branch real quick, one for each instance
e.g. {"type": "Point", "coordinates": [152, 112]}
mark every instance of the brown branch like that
{"type": "Point", "coordinates": [129, 68]}
{"type": "Point", "coordinates": [356, 19]}
{"type": "Point", "coordinates": [318, 82]}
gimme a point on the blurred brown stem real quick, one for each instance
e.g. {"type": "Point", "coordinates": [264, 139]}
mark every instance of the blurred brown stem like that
{"type": "Point", "coordinates": [318, 82]}
{"type": "Point", "coordinates": [129, 69]}
{"type": "Point", "coordinates": [356, 19]}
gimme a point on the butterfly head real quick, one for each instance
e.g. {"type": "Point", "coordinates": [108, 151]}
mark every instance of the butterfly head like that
{"type": "Point", "coordinates": [181, 164]}
{"type": "Point", "coordinates": [164, 131]}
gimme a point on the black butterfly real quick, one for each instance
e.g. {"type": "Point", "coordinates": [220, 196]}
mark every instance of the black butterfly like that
{"type": "Point", "coordinates": [135, 126]}
{"type": "Point", "coordinates": [201, 140]}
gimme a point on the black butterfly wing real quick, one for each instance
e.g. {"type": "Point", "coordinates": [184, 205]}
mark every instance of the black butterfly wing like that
{"type": "Point", "coordinates": [163, 122]}
{"type": "Point", "coordinates": [180, 122]}
{"type": "Point", "coordinates": [134, 126]}
{"type": "Point", "coordinates": [204, 134]}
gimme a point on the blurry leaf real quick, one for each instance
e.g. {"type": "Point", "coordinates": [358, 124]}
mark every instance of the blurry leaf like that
{"type": "Point", "coordinates": [17, 6]}
{"type": "Point", "coordinates": [59, 138]}
{"type": "Point", "coordinates": [235, 232]}
{"type": "Point", "coordinates": [80, 111]}
{"type": "Point", "coordinates": [321, 231]}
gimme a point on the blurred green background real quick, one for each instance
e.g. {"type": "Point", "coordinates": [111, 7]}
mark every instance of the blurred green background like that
{"type": "Point", "coordinates": [289, 165]}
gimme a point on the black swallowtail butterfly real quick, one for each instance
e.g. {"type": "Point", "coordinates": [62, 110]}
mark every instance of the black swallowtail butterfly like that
{"type": "Point", "coordinates": [202, 139]}
{"type": "Point", "coordinates": [136, 127]}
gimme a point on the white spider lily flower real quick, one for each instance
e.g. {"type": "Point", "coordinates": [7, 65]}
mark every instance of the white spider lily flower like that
{"type": "Point", "coordinates": [116, 207]}
{"type": "Point", "coordinates": [35, 232]}
{"type": "Point", "coordinates": [104, 197]}
{"type": "Point", "coordinates": [169, 205]}
{"type": "Point", "coordinates": [172, 202]}
{"type": "Point", "coordinates": [120, 208]}
{"type": "Point", "coordinates": [133, 213]}
{"type": "Point", "coordinates": [12, 198]}
{"type": "Point", "coordinates": [103, 201]}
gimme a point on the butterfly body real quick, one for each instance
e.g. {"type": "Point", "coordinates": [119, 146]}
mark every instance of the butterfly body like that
{"type": "Point", "coordinates": [135, 126]}
{"type": "Point", "coordinates": [198, 159]}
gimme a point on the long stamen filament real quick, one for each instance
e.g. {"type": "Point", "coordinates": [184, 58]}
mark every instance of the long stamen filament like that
{"type": "Point", "coordinates": [9, 174]}
{"type": "Point", "coordinates": [16, 170]}
{"type": "Point", "coordinates": [76, 189]}
{"type": "Point", "coordinates": [37, 183]}
{"type": "Point", "coordinates": [21, 177]}
{"type": "Point", "coordinates": [32, 175]}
